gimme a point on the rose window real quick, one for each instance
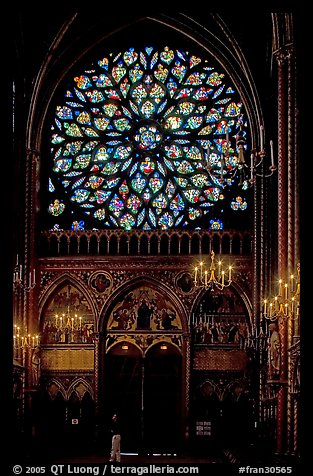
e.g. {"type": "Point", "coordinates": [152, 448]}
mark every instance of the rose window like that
{"type": "Point", "coordinates": [144, 139]}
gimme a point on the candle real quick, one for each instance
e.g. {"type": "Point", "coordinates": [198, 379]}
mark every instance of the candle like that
{"type": "Point", "coordinates": [34, 276]}
{"type": "Point", "coordinates": [201, 264]}
{"type": "Point", "coordinates": [286, 309]}
{"type": "Point", "coordinates": [292, 285]}
{"type": "Point", "coordinates": [20, 272]}
{"type": "Point", "coordinates": [280, 293]}
{"type": "Point", "coordinates": [286, 291]}
{"type": "Point", "coordinates": [276, 304]}
{"type": "Point", "coordinates": [80, 322]}
{"type": "Point", "coordinates": [219, 269]}
{"type": "Point", "coordinates": [206, 277]}
{"type": "Point", "coordinates": [72, 323]}
{"type": "Point", "coordinates": [271, 309]}
{"type": "Point", "coordinates": [17, 260]}
{"type": "Point", "coordinates": [272, 153]}
{"type": "Point", "coordinates": [229, 275]}
{"type": "Point", "coordinates": [196, 271]}
{"type": "Point", "coordinates": [223, 275]}
{"type": "Point", "coordinates": [265, 307]}
{"type": "Point", "coordinates": [30, 278]}
{"type": "Point", "coordinates": [261, 138]}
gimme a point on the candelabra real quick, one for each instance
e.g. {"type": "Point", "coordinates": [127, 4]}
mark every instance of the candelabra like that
{"type": "Point", "coordinates": [23, 342]}
{"type": "Point", "coordinates": [22, 339]}
{"type": "Point", "coordinates": [20, 281]}
{"type": "Point", "coordinates": [207, 277]}
{"type": "Point", "coordinates": [232, 163]}
{"type": "Point", "coordinates": [286, 304]}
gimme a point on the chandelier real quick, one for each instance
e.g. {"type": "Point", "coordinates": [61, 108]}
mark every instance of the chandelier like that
{"type": "Point", "coordinates": [22, 339]}
{"type": "Point", "coordinates": [20, 279]}
{"type": "Point", "coordinates": [213, 275]}
{"type": "Point", "coordinates": [68, 328]}
{"type": "Point", "coordinates": [233, 164]}
{"type": "Point", "coordinates": [23, 342]}
{"type": "Point", "coordinates": [286, 304]}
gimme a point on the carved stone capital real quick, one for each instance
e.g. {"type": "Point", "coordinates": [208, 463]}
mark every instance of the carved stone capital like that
{"type": "Point", "coordinates": [284, 53]}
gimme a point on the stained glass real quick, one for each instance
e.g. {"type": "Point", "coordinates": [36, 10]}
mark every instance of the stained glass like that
{"type": "Point", "coordinates": [145, 139]}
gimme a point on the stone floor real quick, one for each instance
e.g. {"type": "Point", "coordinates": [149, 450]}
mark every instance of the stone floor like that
{"type": "Point", "coordinates": [135, 459]}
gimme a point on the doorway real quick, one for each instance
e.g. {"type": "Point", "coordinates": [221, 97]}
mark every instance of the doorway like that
{"type": "Point", "coordinates": [145, 390]}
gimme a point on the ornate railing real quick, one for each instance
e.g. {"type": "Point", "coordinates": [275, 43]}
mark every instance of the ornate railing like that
{"type": "Point", "coordinates": [144, 243]}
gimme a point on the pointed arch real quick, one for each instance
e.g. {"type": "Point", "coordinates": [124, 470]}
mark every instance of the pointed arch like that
{"type": "Point", "coordinates": [147, 282]}
{"type": "Point", "coordinates": [79, 381]}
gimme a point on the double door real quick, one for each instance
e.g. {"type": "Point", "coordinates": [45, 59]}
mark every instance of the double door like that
{"type": "Point", "coordinates": [146, 391]}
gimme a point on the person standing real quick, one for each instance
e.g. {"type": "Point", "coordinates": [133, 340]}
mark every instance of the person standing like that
{"type": "Point", "coordinates": [116, 439]}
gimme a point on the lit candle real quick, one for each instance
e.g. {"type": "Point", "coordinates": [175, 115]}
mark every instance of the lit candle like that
{"type": "Point", "coordinates": [196, 272]}
{"type": "Point", "coordinates": [56, 320]}
{"type": "Point", "coordinates": [261, 138]}
{"type": "Point", "coordinates": [271, 309]}
{"type": "Point", "coordinates": [223, 275]}
{"type": "Point", "coordinates": [272, 153]}
{"type": "Point", "coordinates": [286, 291]}
{"type": "Point", "coordinates": [280, 293]}
{"type": "Point", "coordinates": [265, 307]}
{"type": "Point", "coordinates": [33, 341]}
{"type": "Point", "coordinates": [206, 277]}
{"type": "Point", "coordinates": [219, 269]}
{"type": "Point", "coordinates": [201, 264]}
{"type": "Point", "coordinates": [72, 323]}
{"type": "Point", "coordinates": [229, 275]}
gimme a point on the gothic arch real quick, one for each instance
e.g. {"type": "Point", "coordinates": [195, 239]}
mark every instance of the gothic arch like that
{"type": "Point", "coordinates": [135, 283]}
{"type": "Point", "coordinates": [64, 54]}
{"type": "Point", "coordinates": [80, 381]}
{"type": "Point", "coordinates": [60, 281]}
{"type": "Point", "coordinates": [57, 383]}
